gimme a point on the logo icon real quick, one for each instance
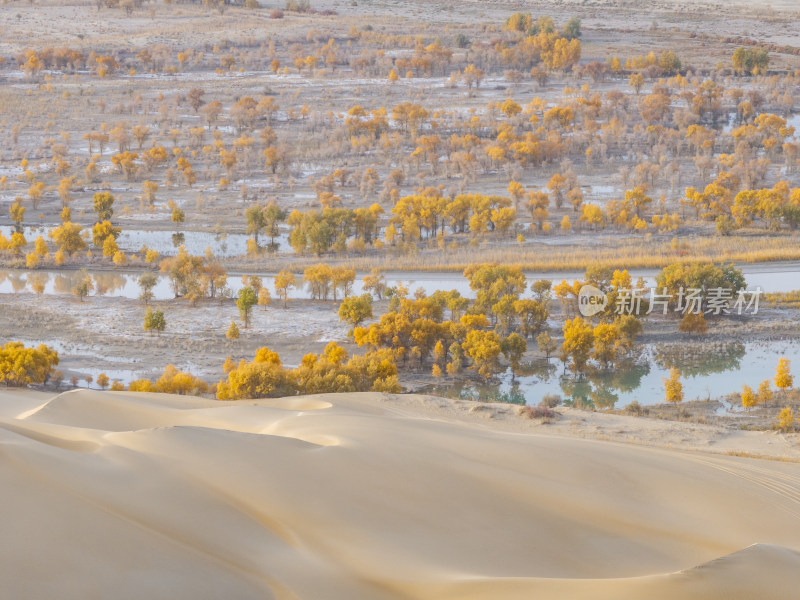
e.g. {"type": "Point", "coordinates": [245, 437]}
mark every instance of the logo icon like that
{"type": "Point", "coordinates": [591, 301]}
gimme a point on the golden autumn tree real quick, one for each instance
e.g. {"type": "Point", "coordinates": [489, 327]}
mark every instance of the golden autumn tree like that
{"type": "Point", "coordinates": [21, 366]}
{"type": "Point", "coordinates": [764, 392]}
{"type": "Point", "coordinates": [103, 381]}
{"type": "Point", "coordinates": [636, 81]}
{"type": "Point", "coordinates": [783, 377]}
{"type": "Point", "coordinates": [673, 388]}
{"type": "Point", "coordinates": [154, 321]}
{"type": "Point", "coordinates": [578, 342]}
{"type": "Point", "coordinates": [748, 397]}
{"type": "Point", "coordinates": [484, 348]}
{"type": "Point", "coordinates": [283, 282]}
{"type": "Point", "coordinates": [786, 419]}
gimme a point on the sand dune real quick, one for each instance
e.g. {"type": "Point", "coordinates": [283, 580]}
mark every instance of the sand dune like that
{"type": "Point", "coordinates": [119, 495]}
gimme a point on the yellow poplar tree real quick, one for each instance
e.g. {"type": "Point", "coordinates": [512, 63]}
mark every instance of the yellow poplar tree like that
{"type": "Point", "coordinates": [102, 381]}
{"type": "Point", "coordinates": [764, 392]}
{"type": "Point", "coordinates": [749, 399]}
{"type": "Point", "coordinates": [783, 378]}
{"type": "Point", "coordinates": [786, 419]}
{"type": "Point", "coordinates": [673, 386]}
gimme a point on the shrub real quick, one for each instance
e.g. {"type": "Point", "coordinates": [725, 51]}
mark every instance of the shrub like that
{"type": "Point", "coordinates": [634, 408]}
{"type": "Point", "coordinates": [298, 5]}
{"type": "Point", "coordinates": [461, 41]}
{"type": "Point", "coordinates": [141, 385]}
{"type": "Point", "coordinates": [551, 400]}
{"type": "Point", "coordinates": [693, 323]}
{"type": "Point", "coordinates": [542, 411]}
{"type": "Point", "coordinates": [786, 419]}
{"type": "Point", "coordinates": [20, 366]}
{"type": "Point", "coordinates": [154, 321]}
{"type": "Point", "coordinates": [329, 371]}
{"type": "Point", "coordinates": [173, 381]}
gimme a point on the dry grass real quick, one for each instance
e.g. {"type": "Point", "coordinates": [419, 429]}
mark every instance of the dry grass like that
{"type": "Point", "coordinates": [627, 254]}
{"type": "Point", "coordinates": [759, 456]}
{"type": "Point", "coordinates": [784, 299]}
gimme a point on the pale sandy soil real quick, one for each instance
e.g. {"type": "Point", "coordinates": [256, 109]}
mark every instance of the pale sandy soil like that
{"type": "Point", "coordinates": [382, 497]}
{"type": "Point", "coordinates": [572, 422]}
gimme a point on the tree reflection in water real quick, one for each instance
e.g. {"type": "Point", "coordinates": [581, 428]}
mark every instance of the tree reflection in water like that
{"type": "Point", "coordinates": [108, 283]}
{"type": "Point", "coordinates": [598, 388]}
{"type": "Point", "coordinates": [63, 284]}
{"type": "Point", "coordinates": [18, 282]}
{"type": "Point", "coordinates": [701, 359]}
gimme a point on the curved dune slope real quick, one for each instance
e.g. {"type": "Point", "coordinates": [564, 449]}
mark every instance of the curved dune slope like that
{"type": "Point", "coordinates": [120, 495]}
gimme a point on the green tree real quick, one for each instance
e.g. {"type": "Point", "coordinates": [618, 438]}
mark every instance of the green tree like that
{"type": "Point", "coordinates": [456, 355]}
{"type": "Point", "coordinates": [84, 285]}
{"type": "Point", "coordinates": [245, 302]}
{"type": "Point", "coordinates": [572, 30]}
{"type": "Point", "coordinates": [273, 217]}
{"type": "Point", "coordinates": [154, 321]}
{"type": "Point", "coordinates": [513, 348]}
{"type": "Point", "coordinates": [533, 316]}
{"type": "Point", "coordinates": [700, 276]}
{"type": "Point", "coordinates": [504, 313]}
{"type": "Point", "coordinates": [750, 60]}
{"type": "Point", "coordinates": [147, 281]}
{"type": "Point", "coordinates": [256, 221]}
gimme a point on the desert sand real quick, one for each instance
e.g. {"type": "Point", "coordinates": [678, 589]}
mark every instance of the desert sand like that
{"type": "Point", "coordinates": [123, 495]}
